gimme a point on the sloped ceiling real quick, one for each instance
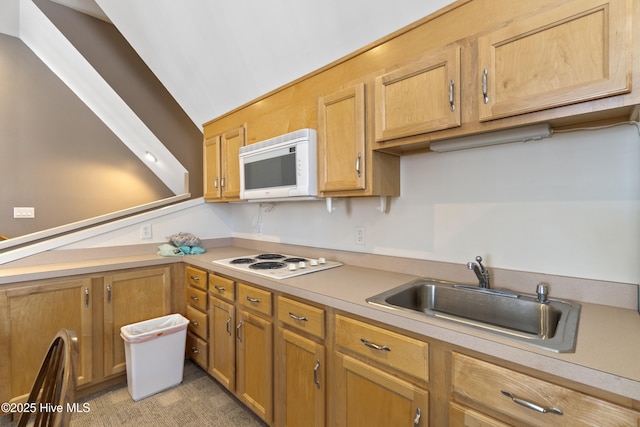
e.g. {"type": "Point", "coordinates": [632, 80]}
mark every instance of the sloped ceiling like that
{"type": "Point", "coordinates": [214, 56]}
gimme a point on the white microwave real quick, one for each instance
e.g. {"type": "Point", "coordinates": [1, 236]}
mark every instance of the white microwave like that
{"type": "Point", "coordinates": [283, 167]}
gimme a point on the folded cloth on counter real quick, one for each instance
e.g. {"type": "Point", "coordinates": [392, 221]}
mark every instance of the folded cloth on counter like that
{"type": "Point", "coordinates": [191, 249]}
{"type": "Point", "coordinates": [169, 250]}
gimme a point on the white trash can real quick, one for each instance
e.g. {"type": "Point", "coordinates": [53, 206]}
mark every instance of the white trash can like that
{"type": "Point", "coordinates": [154, 351]}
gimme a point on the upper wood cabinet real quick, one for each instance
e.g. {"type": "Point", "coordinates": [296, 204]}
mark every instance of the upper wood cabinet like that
{"type": "Point", "coordinates": [347, 164]}
{"type": "Point", "coordinates": [222, 165]}
{"type": "Point", "coordinates": [422, 96]}
{"type": "Point", "coordinates": [341, 141]}
{"type": "Point", "coordinates": [578, 51]}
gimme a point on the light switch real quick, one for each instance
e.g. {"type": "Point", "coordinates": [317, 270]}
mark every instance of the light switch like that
{"type": "Point", "coordinates": [24, 213]}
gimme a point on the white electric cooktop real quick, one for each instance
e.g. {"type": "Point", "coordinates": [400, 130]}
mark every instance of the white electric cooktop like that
{"type": "Point", "coordinates": [278, 266]}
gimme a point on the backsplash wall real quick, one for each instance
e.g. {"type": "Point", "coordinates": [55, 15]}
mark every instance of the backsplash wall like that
{"type": "Point", "coordinates": [568, 205]}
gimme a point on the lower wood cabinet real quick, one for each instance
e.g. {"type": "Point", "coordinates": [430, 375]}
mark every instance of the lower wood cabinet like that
{"type": "Point", "coordinates": [366, 396]}
{"type": "Point", "coordinates": [94, 306]}
{"type": "Point", "coordinates": [131, 297]}
{"type": "Point", "coordinates": [254, 363]}
{"type": "Point", "coordinates": [300, 365]}
{"type": "Point", "coordinates": [30, 317]}
{"type": "Point", "coordinates": [529, 400]}
{"type": "Point", "coordinates": [380, 376]}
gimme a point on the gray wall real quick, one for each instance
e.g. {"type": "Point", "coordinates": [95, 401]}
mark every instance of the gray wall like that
{"type": "Point", "coordinates": [57, 156]}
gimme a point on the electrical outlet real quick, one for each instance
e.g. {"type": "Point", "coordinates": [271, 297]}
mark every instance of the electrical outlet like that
{"type": "Point", "coordinates": [145, 231]}
{"type": "Point", "coordinates": [24, 213]}
{"type": "Point", "coordinates": [359, 235]}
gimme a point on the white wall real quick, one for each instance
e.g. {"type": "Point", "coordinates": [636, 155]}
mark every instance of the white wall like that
{"type": "Point", "coordinates": [9, 13]}
{"type": "Point", "coordinates": [568, 205]}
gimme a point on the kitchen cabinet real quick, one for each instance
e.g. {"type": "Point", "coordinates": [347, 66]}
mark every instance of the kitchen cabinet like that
{"type": "Point", "coordinates": [419, 97]}
{"type": "Point", "coordinates": [222, 352]}
{"type": "Point", "coordinates": [222, 165]}
{"type": "Point", "coordinates": [459, 416]}
{"type": "Point", "coordinates": [380, 376]}
{"type": "Point", "coordinates": [241, 342]}
{"type": "Point", "coordinates": [130, 297]}
{"type": "Point", "coordinates": [523, 398]}
{"type": "Point", "coordinates": [575, 52]}
{"type": "Point", "coordinates": [30, 317]}
{"type": "Point", "coordinates": [197, 334]}
{"type": "Point", "coordinates": [300, 384]}
{"type": "Point", "coordinates": [254, 351]}
{"type": "Point", "coordinates": [346, 163]}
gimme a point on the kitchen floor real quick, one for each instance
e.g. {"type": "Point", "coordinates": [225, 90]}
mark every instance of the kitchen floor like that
{"type": "Point", "coordinates": [198, 401]}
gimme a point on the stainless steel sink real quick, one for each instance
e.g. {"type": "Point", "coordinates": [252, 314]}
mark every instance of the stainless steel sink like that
{"type": "Point", "coordinates": [552, 325]}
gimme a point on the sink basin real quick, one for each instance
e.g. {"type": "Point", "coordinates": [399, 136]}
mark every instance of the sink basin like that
{"type": "Point", "coordinates": [552, 325]}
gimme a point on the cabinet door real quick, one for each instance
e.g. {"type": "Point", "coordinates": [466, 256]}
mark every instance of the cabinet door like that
{"type": "Point", "coordinates": [421, 97]}
{"type": "Point", "coordinates": [231, 142]}
{"type": "Point", "coordinates": [212, 168]}
{"type": "Point", "coordinates": [301, 381]}
{"type": "Point", "coordinates": [254, 337]}
{"type": "Point", "coordinates": [460, 416]}
{"type": "Point", "coordinates": [576, 52]}
{"type": "Point", "coordinates": [222, 350]}
{"type": "Point", "coordinates": [34, 315]}
{"type": "Point", "coordinates": [129, 298]}
{"type": "Point", "coordinates": [341, 140]}
{"type": "Point", "coordinates": [366, 396]}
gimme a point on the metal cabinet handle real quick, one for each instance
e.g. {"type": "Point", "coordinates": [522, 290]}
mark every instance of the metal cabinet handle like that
{"type": "Point", "coordinates": [452, 84]}
{"type": "Point", "coordinates": [375, 346]}
{"type": "Point", "coordinates": [416, 420]}
{"type": "Point", "coordinates": [238, 332]}
{"type": "Point", "coordinates": [195, 350]}
{"type": "Point", "coordinates": [316, 381]}
{"type": "Point", "coordinates": [108, 293]}
{"type": "Point", "coordinates": [215, 182]}
{"type": "Point", "coordinates": [531, 405]}
{"type": "Point", "coordinates": [220, 288]}
{"type": "Point", "coordinates": [86, 297]}
{"type": "Point", "coordinates": [195, 323]}
{"type": "Point", "coordinates": [299, 318]}
{"type": "Point", "coordinates": [485, 95]}
{"type": "Point", "coordinates": [254, 300]}
{"type": "Point", "coordinates": [195, 298]}
{"type": "Point", "coordinates": [228, 326]}
{"type": "Point", "coordinates": [358, 161]}
{"type": "Point", "coordinates": [195, 278]}
{"type": "Point", "coordinates": [222, 182]}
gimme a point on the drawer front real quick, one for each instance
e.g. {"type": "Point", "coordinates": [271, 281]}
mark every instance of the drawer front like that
{"type": "Point", "coordinates": [301, 316]}
{"type": "Point", "coordinates": [254, 298]}
{"type": "Point", "coordinates": [197, 350]}
{"type": "Point", "coordinates": [484, 384]}
{"type": "Point", "coordinates": [197, 322]}
{"type": "Point", "coordinates": [196, 277]}
{"type": "Point", "coordinates": [222, 287]}
{"type": "Point", "coordinates": [197, 298]}
{"type": "Point", "coordinates": [397, 351]}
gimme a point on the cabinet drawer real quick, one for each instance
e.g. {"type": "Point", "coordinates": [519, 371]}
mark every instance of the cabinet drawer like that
{"type": "Point", "coordinates": [301, 316]}
{"type": "Point", "coordinates": [484, 383]}
{"type": "Point", "coordinates": [197, 321]}
{"type": "Point", "coordinates": [397, 351]}
{"type": "Point", "coordinates": [222, 287]}
{"type": "Point", "coordinates": [197, 350]}
{"type": "Point", "coordinates": [195, 277]}
{"type": "Point", "coordinates": [197, 298]}
{"type": "Point", "coordinates": [254, 298]}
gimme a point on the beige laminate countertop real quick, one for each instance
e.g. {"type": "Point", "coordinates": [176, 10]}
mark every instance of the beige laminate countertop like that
{"type": "Point", "coordinates": [608, 343]}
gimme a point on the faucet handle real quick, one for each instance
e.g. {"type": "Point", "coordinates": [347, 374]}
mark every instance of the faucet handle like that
{"type": "Point", "coordinates": [479, 261]}
{"type": "Point", "coordinates": [543, 292]}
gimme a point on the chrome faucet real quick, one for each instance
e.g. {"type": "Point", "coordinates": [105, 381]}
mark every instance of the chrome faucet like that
{"type": "Point", "coordinates": [483, 274]}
